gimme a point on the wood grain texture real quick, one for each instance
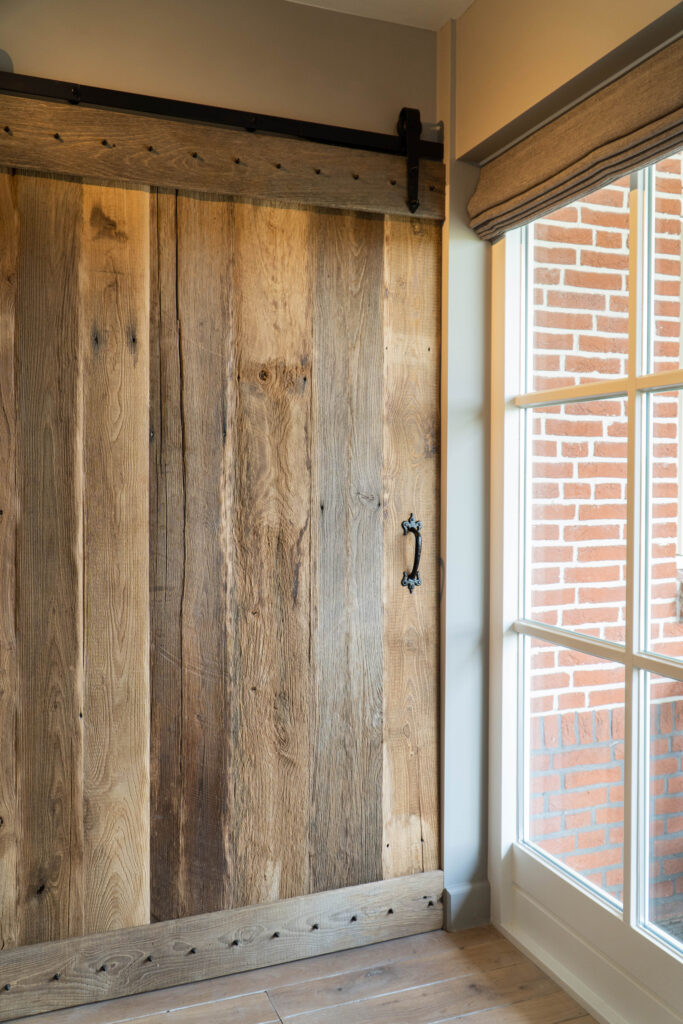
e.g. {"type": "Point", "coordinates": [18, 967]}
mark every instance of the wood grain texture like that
{"type": "Point", "coordinates": [344, 979]}
{"type": "Point", "coordinates": [9, 233]}
{"type": "Point", "coordinates": [411, 484]}
{"type": "Point", "coordinates": [114, 317]}
{"type": "Point", "coordinates": [270, 616]}
{"type": "Point", "coordinates": [554, 1008]}
{"type": "Point", "coordinates": [295, 974]}
{"type": "Point", "coordinates": [436, 1002]}
{"type": "Point", "coordinates": [253, 1009]}
{"type": "Point", "coordinates": [346, 513]}
{"type": "Point", "coordinates": [166, 553]}
{"type": "Point", "coordinates": [225, 942]}
{"type": "Point", "coordinates": [348, 987]}
{"type": "Point", "coordinates": [204, 248]}
{"type": "Point", "coordinates": [222, 411]}
{"type": "Point", "coordinates": [176, 154]}
{"type": "Point", "coordinates": [49, 606]}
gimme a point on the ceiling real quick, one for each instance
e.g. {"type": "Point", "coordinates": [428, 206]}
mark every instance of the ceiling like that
{"type": "Point", "coordinates": [431, 14]}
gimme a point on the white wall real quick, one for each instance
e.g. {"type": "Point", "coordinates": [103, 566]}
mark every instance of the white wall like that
{"type": "Point", "coordinates": [266, 56]}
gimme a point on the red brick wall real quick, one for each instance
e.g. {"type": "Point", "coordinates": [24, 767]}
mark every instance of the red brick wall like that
{"type": "Point", "coordinates": [579, 282]}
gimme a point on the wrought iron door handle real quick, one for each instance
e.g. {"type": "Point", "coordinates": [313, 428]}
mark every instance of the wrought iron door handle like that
{"type": "Point", "coordinates": [412, 579]}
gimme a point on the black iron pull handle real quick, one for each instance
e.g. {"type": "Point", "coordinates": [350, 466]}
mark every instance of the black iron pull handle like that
{"type": "Point", "coordinates": [412, 579]}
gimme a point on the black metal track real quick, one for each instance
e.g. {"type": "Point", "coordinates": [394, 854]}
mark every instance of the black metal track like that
{"type": "Point", "coordinates": [113, 99]}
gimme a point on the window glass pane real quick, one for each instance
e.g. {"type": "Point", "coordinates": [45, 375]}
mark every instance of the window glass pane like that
{"type": "Point", "coordinates": [664, 550]}
{"type": "Point", "coordinates": [666, 270]}
{"type": "Point", "coordinates": [576, 517]}
{"type": "Point", "coordinates": [575, 742]}
{"type": "Point", "coordinates": [578, 290]}
{"type": "Point", "coordinates": [665, 897]}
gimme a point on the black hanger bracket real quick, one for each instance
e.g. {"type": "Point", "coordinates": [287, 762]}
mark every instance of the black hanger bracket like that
{"type": "Point", "coordinates": [409, 130]}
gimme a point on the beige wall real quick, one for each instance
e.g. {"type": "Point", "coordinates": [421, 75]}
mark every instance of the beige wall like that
{"type": "Point", "coordinates": [512, 53]}
{"type": "Point", "coordinates": [267, 56]}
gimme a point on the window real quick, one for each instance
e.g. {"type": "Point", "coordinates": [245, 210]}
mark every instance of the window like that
{"type": "Point", "coordinates": [587, 500]}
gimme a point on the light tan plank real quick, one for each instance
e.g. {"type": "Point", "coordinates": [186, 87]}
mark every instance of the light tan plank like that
{"type": "Point", "coordinates": [436, 1002]}
{"type": "Point", "coordinates": [254, 1009]}
{"type": "Point", "coordinates": [225, 943]}
{"type": "Point", "coordinates": [346, 511]}
{"type": "Point", "coordinates": [166, 552]}
{"type": "Point", "coordinates": [395, 976]}
{"type": "Point", "coordinates": [115, 345]}
{"type": "Point", "coordinates": [411, 484]}
{"type": "Point", "coordinates": [269, 816]}
{"type": "Point", "coordinates": [49, 608]}
{"type": "Point", "coordinates": [300, 972]}
{"type": "Point", "coordinates": [159, 151]}
{"type": "Point", "coordinates": [9, 233]}
{"type": "Point", "coordinates": [204, 255]}
{"type": "Point", "coordinates": [555, 1008]}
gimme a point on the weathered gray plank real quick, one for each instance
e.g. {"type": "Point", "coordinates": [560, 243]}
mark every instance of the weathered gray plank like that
{"type": "Point", "coordinates": [49, 605]}
{"type": "Point", "coordinates": [167, 558]}
{"type": "Point", "coordinates": [412, 259]}
{"type": "Point", "coordinates": [114, 317]}
{"type": "Point", "coordinates": [346, 513]}
{"type": "Point", "coordinates": [9, 233]}
{"type": "Point", "coordinates": [204, 256]}
{"type": "Point", "coordinates": [270, 618]}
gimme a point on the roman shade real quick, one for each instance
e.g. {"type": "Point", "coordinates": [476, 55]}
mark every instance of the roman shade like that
{"type": "Point", "coordinates": [625, 125]}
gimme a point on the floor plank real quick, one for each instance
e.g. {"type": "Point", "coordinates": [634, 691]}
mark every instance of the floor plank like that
{"type": "Point", "coordinates": [436, 978]}
{"type": "Point", "coordinates": [255, 1009]}
{"type": "Point", "coordinates": [396, 976]}
{"type": "Point", "coordinates": [556, 1008]}
{"type": "Point", "coordinates": [438, 1001]}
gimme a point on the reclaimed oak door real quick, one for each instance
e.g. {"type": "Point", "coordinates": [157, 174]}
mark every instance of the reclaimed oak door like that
{"type": "Point", "coordinates": [214, 417]}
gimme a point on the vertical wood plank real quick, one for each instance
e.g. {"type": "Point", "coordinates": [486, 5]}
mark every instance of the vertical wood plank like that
{"type": "Point", "coordinates": [167, 546]}
{"type": "Point", "coordinates": [346, 828]}
{"type": "Point", "coordinates": [411, 481]}
{"type": "Point", "coordinates": [204, 260]}
{"type": "Point", "coordinates": [114, 293]}
{"type": "Point", "coordinates": [9, 229]}
{"type": "Point", "coordinates": [271, 541]}
{"type": "Point", "coordinates": [49, 608]}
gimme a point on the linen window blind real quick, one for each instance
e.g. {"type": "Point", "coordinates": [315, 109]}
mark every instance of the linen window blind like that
{"type": "Point", "coordinates": [625, 125]}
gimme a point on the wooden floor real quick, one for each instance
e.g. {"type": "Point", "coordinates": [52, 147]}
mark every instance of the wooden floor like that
{"type": "Point", "coordinates": [475, 976]}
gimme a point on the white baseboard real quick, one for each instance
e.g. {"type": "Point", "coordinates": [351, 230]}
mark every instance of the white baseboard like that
{"type": "Point", "coordinates": [466, 905]}
{"type": "Point", "coordinates": [592, 978]}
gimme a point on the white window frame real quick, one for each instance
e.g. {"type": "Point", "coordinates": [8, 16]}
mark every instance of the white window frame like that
{"type": "Point", "coordinates": [615, 967]}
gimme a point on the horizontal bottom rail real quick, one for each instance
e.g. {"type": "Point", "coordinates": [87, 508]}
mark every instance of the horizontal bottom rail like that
{"type": "Point", "coordinates": [70, 972]}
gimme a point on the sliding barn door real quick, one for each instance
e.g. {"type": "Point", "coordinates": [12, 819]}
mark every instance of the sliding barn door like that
{"type": "Point", "coordinates": [214, 690]}
{"type": "Point", "coordinates": [293, 427]}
